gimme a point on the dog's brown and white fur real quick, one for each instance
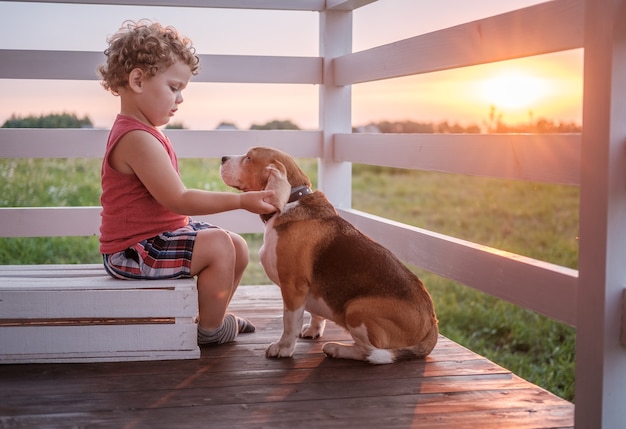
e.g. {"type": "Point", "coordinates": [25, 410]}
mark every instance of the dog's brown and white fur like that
{"type": "Point", "coordinates": [325, 265]}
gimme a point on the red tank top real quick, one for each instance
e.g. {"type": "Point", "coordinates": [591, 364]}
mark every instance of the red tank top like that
{"type": "Point", "coordinates": [129, 212]}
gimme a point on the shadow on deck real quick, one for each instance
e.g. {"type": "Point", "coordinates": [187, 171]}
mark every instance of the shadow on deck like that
{"type": "Point", "coordinates": [235, 386]}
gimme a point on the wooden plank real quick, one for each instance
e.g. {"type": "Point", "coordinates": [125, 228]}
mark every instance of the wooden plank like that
{"type": "Point", "coordinates": [82, 65]}
{"type": "Point", "coordinates": [90, 143]}
{"type": "Point", "coordinates": [347, 5]}
{"type": "Point", "coordinates": [16, 279]}
{"type": "Point", "coordinates": [85, 221]}
{"type": "Point", "coordinates": [600, 359]}
{"type": "Point", "coordinates": [334, 178]}
{"type": "Point", "coordinates": [26, 344]}
{"type": "Point", "coordinates": [260, 69]}
{"type": "Point", "coordinates": [544, 28]}
{"type": "Point", "coordinates": [540, 286]}
{"type": "Point", "coordinates": [40, 303]}
{"type": "Point", "coordinates": [302, 5]}
{"type": "Point", "coordinates": [623, 320]}
{"type": "Point", "coordinates": [52, 270]}
{"type": "Point", "coordinates": [549, 158]}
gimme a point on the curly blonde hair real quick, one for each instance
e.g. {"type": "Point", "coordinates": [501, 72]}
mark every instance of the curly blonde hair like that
{"type": "Point", "coordinates": [146, 45]}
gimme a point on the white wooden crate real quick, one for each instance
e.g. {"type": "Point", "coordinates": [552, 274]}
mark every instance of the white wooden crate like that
{"type": "Point", "coordinates": [77, 313]}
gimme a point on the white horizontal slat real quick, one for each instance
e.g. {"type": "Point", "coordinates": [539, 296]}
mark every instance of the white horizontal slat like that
{"type": "Point", "coordinates": [81, 357]}
{"type": "Point", "coordinates": [347, 4]}
{"type": "Point", "coordinates": [34, 64]}
{"type": "Point", "coordinates": [81, 65]}
{"type": "Point", "coordinates": [44, 303]}
{"type": "Point", "coordinates": [548, 27]}
{"type": "Point", "coordinates": [305, 5]}
{"type": "Point", "coordinates": [542, 287]}
{"type": "Point", "coordinates": [52, 143]}
{"type": "Point", "coordinates": [97, 343]}
{"type": "Point", "coordinates": [215, 144]}
{"type": "Point", "coordinates": [53, 271]}
{"type": "Point", "coordinates": [551, 158]}
{"type": "Point", "coordinates": [90, 143]}
{"type": "Point", "coordinates": [259, 69]}
{"type": "Point", "coordinates": [85, 221]}
{"type": "Point", "coordinates": [78, 277]}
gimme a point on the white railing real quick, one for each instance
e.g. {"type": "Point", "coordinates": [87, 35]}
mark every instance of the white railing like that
{"type": "Point", "coordinates": [590, 299]}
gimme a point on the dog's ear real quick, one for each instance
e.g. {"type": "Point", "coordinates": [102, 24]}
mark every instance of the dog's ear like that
{"type": "Point", "coordinates": [277, 181]}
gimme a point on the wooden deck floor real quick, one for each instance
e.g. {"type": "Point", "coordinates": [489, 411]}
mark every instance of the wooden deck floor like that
{"type": "Point", "coordinates": [235, 386]}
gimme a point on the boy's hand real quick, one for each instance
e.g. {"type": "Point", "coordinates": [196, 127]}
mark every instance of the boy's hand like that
{"type": "Point", "coordinates": [254, 201]}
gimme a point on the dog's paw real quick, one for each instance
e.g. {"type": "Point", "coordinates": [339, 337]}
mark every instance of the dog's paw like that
{"type": "Point", "coordinates": [315, 329]}
{"type": "Point", "coordinates": [278, 350]}
{"type": "Point", "coordinates": [311, 332]}
{"type": "Point", "coordinates": [332, 350]}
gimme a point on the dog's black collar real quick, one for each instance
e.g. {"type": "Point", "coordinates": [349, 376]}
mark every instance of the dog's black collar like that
{"type": "Point", "coordinates": [297, 192]}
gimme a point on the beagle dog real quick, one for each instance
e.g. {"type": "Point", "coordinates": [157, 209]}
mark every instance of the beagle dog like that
{"type": "Point", "coordinates": [325, 266]}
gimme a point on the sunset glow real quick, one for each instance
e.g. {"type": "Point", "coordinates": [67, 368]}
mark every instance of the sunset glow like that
{"type": "Point", "coordinates": [517, 90]}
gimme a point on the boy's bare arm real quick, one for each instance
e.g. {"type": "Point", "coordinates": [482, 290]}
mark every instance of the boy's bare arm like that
{"type": "Point", "coordinates": [140, 153]}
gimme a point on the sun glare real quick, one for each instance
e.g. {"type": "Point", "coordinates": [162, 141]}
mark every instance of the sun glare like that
{"type": "Point", "coordinates": [514, 90]}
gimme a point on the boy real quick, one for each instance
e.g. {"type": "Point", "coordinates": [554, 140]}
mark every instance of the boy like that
{"type": "Point", "coordinates": [146, 232]}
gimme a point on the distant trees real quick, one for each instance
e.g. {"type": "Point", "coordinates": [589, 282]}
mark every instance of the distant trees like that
{"type": "Point", "coordinates": [276, 125]}
{"type": "Point", "coordinates": [417, 127]}
{"type": "Point", "coordinates": [175, 126]}
{"type": "Point", "coordinates": [494, 124]}
{"type": "Point", "coordinates": [61, 120]}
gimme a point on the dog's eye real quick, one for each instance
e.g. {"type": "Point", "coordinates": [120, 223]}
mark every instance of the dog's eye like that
{"type": "Point", "coordinates": [247, 158]}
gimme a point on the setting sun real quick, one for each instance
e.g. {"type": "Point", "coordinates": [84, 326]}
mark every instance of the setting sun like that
{"type": "Point", "coordinates": [514, 90]}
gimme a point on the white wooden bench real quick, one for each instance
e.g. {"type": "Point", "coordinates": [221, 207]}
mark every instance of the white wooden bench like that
{"type": "Point", "coordinates": [77, 313]}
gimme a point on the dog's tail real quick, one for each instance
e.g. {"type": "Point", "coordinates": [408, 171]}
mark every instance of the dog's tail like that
{"type": "Point", "coordinates": [417, 351]}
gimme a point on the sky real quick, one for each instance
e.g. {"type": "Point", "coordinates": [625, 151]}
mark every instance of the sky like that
{"type": "Point", "coordinates": [548, 86]}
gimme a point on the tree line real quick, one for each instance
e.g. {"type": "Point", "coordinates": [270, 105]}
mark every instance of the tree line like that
{"type": "Point", "coordinates": [494, 124]}
{"type": "Point", "coordinates": [55, 120]}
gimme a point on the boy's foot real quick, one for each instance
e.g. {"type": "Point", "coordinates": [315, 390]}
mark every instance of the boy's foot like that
{"type": "Point", "coordinates": [231, 327]}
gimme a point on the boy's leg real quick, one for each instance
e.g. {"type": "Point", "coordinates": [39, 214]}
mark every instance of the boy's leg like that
{"type": "Point", "coordinates": [219, 259]}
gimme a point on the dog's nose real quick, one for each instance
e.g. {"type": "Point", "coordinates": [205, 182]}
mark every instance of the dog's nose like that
{"type": "Point", "coordinates": [225, 158]}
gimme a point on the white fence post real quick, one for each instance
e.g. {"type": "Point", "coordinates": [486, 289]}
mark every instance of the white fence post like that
{"type": "Point", "coordinates": [334, 178]}
{"type": "Point", "coordinates": [600, 358]}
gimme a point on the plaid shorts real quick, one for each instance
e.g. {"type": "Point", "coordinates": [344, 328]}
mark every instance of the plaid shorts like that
{"type": "Point", "coordinates": [166, 256]}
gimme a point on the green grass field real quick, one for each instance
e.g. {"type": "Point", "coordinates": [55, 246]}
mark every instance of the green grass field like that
{"type": "Point", "coordinates": [540, 221]}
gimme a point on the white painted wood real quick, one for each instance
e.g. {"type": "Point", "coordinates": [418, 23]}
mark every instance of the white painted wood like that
{"type": "Point", "coordinates": [545, 288]}
{"type": "Point", "coordinates": [42, 299]}
{"type": "Point", "coordinates": [623, 327]}
{"type": "Point", "coordinates": [81, 65]}
{"type": "Point", "coordinates": [90, 142]}
{"type": "Point", "coordinates": [216, 144]}
{"type": "Point", "coordinates": [313, 5]}
{"type": "Point", "coordinates": [600, 356]}
{"type": "Point", "coordinates": [52, 143]}
{"type": "Point", "coordinates": [85, 221]}
{"type": "Point", "coordinates": [552, 158]}
{"type": "Point", "coordinates": [347, 4]}
{"type": "Point", "coordinates": [34, 64]}
{"type": "Point", "coordinates": [70, 313]}
{"type": "Point", "coordinates": [335, 178]}
{"type": "Point", "coordinates": [23, 344]}
{"type": "Point", "coordinates": [544, 28]}
{"type": "Point", "coordinates": [117, 356]}
{"type": "Point", "coordinates": [52, 270]}
{"type": "Point", "coordinates": [259, 69]}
